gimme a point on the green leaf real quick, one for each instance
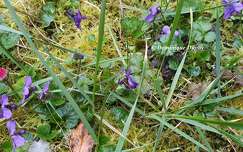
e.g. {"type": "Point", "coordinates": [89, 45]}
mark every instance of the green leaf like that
{"type": "Point", "coordinates": [103, 140]}
{"type": "Point", "coordinates": [57, 101]}
{"type": "Point", "coordinates": [173, 64]}
{"type": "Point", "coordinates": [195, 71]}
{"type": "Point", "coordinates": [205, 26]}
{"type": "Point", "coordinates": [237, 43]}
{"type": "Point", "coordinates": [19, 85]}
{"type": "Point", "coordinates": [202, 56]}
{"type": "Point", "coordinates": [69, 115]}
{"type": "Point", "coordinates": [45, 132]}
{"type": "Point", "coordinates": [200, 125]}
{"type": "Point", "coordinates": [157, 48]}
{"type": "Point", "coordinates": [3, 88]}
{"type": "Point", "coordinates": [46, 19]}
{"type": "Point", "coordinates": [47, 14]}
{"type": "Point", "coordinates": [232, 61]}
{"type": "Point", "coordinates": [132, 26]}
{"type": "Point", "coordinates": [6, 146]}
{"type": "Point", "coordinates": [210, 37]}
{"type": "Point", "coordinates": [106, 148]}
{"type": "Point", "coordinates": [74, 3]}
{"type": "Point", "coordinates": [91, 38]}
{"type": "Point", "coordinates": [197, 35]}
{"type": "Point", "coordinates": [9, 40]}
{"type": "Point", "coordinates": [120, 113]}
{"type": "Point", "coordinates": [194, 5]}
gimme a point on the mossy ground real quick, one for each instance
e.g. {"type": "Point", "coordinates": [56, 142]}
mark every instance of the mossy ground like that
{"type": "Point", "coordinates": [142, 132]}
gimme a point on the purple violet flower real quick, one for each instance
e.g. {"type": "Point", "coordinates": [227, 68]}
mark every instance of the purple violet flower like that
{"type": "Point", "coordinates": [166, 31]}
{"type": "Point", "coordinates": [78, 56]}
{"type": "Point", "coordinates": [28, 89]}
{"type": "Point", "coordinates": [154, 11]}
{"type": "Point", "coordinates": [155, 63]}
{"type": "Point", "coordinates": [17, 139]}
{"type": "Point", "coordinates": [128, 80]}
{"type": "Point", "coordinates": [77, 17]}
{"type": "Point", "coordinates": [177, 33]}
{"type": "Point", "coordinates": [44, 91]}
{"type": "Point", "coordinates": [5, 111]}
{"type": "Point", "coordinates": [231, 7]}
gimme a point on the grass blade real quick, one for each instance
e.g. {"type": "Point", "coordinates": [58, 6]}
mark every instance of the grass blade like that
{"type": "Point", "coordinates": [8, 55]}
{"type": "Point", "coordinates": [236, 125]}
{"type": "Point", "coordinates": [159, 133]}
{"type": "Point", "coordinates": [212, 129]}
{"type": "Point", "coordinates": [100, 43]}
{"type": "Point", "coordinates": [175, 21]}
{"type": "Point", "coordinates": [203, 138]}
{"type": "Point", "coordinates": [69, 76]}
{"type": "Point", "coordinates": [8, 29]}
{"type": "Point", "coordinates": [55, 78]}
{"type": "Point", "coordinates": [236, 139]}
{"type": "Point", "coordinates": [200, 125]}
{"type": "Point", "coordinates": [218, 49]}
{"type": "Point", "coordinates": [202, 97]}
{"type": "Point", "coordinates": [231, 111]}
{"type": "Point", "coordinates": [116, 46]}
{"type": "Point", "coordinates": [174, 82]}
{"type": "Point", "coordinates": [221, 99]}
{"type": "Point", "coordinates": [178, 131]}
{"type": "Point", "coordinates": [157, 84]}
{"type": "Point", "coordinates": [127, 103]}
{"type": "Point", "coordinates": [177, 75]}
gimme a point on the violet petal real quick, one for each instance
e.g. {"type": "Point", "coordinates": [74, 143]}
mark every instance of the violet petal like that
{"type": "Point", "coordinates": [18, 140]}
{"type": "Point", "coordinates": [132, 83]}
{"type": "Point", "coordinates": [11, 125]}
{"type": "Point", "coordinates": [166, 30]}
{"type": "Point", "coordinates": [6, 113]}
{"type": "Point", "coordinates": [154, 11]}
{"type": "Point", "coordinates": [44, 90]}
{"type": "Point", "coordinates": [4, 100]}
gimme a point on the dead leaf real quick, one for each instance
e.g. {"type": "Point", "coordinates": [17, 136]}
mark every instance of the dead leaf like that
{"type": "Point", "coordinates": [227, 75]}
{"type": "Point", "coordinates": [80, 140]}
{"type": "Point", "coordinates": [195, 90]}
